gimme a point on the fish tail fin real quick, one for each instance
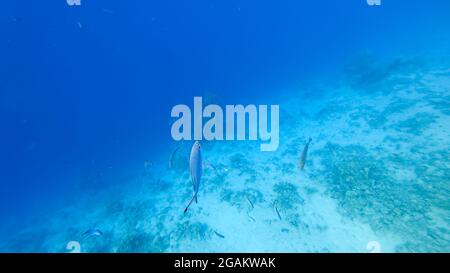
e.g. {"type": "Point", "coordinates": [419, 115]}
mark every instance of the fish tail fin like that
{"type": "Point", "coordinates": [193, 198]}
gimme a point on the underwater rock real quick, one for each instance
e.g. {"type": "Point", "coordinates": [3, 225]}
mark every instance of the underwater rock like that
{"type": "Point", "coordinates": [399, 105]}
{"type": "Point", "coordinates": [441, 103]}
{"type": "Point", "coordinates": [366, 191]}
{"type": "Point", "coordinates": [216, 178]}
{"type": "Point", "coordinates": [26, 242]}
{"type": "Point", "coordinates": [194, 231]}
{"type": "Point", "coordinates": [287, 196]}
{"type": "Point", "coordinates": [115, 208]}
{"type": "Point", "coordinates": [417, 124]}
{"type": "Point", "coordinates": [287, 168]}
{"type": "Point", "coordinates": [310, 190]}
{"type": "Point", "coordinates": [159, 244]}
{"type": "Point", "coordinates": [135, 241]}
{"type": "Point", "coordinates": [330, 112]}
{"type": "Point", "coordinates": [292, 147]}
{"type": "Point", "coordinates": [375, 119]}
{"type": "Point", "coordinates": [369, 75]}
{"type": "Point", "coordinates": [159, 185]}
{"type": "Point", "coordinates": [241, 164]}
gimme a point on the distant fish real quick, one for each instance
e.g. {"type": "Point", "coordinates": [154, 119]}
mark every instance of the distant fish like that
{"type": "Point", "coordinates": [195, 166]}
{"type": "Point", "coordinates": [14, 18]}
{"type": "Point", "coordinates": [172, 157]}
{"type": "Point", "coordinates": [303, 156]}
{"type": "Point", "coordinates": [250, 202]}
{"type": "Point", "coordinates": [207, 164]}
{"type": "Point", "coordinates": [108, 11]}
{"type": "Point", "coordinates": [92, 232]}
{"type": "Point", "coordinates": [147, 164]}
{"type": "Point", "coordinates": [218, 234]}
{"type": "Point", "coordinates": [276, 210]}
{"type": "Point", "coordinates": [79, 25]}
{"type": "Point", "coordinates": [251, 218]}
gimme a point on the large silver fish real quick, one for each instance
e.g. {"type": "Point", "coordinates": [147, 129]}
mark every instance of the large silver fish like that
{"type": "Point", "coordinates": [302, 162]}
{"type": "Point", "coordinates": [195, 166]}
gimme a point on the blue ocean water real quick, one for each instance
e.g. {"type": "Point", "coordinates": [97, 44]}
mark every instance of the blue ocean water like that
{"type": "Point", "coordinates": [85, 99]}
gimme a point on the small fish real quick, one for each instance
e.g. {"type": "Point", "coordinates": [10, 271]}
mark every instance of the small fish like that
{"type": "Point", "coordinates": [79, 25]}
{"type": "Point", "coordinates": [14, 19]}
{"type": "Point", "coordinates": [147, 164]}
{"type": "Point", "coordinates": [251, 218]}
{"type": "Point", "coordinates": [92, 232]}
{"type": "Point", "coordinates": [276, 210]}
{"type": "Point", "coordinates": [207, 164]}
{"type": "Point", "coordinates": [250, 202]}
{"type": "Point", "coordinates": [195, 166]}
{"type": "Point", "coordinates": [218, 234]}
{"type": "Point", "coordinates": [303, 156]}
{"type": "Point", "coordinates": [172, 156]}
{"type": "Point", "coordinates": [108, 11]}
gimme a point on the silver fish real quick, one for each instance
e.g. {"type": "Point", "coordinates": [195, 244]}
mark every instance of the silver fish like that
{"type": "Point", "coordinates": [172, 156]}
{"type": "Point", "coordinates": [207, 164]}
{"type": "Point", "coordinates": [195, 166]}
{"type": "Point", "coordinates": [250, 203]}
{"type": "Point", "coordinates": [108, 11]}
{"type": "Point", "coordinates": [250, 217]}
{"type": "Point", "coordinates": [92, 232]}
{"type": "Point", "coordinates": [278, 213]}
{"type": "Point", "coordinates": [303, 156]}
{"type": "Point", "coordinates": [218, 234]}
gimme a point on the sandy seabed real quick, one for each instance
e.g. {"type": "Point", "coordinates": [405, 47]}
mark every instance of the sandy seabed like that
{"type": "Point", "coordinates": [377, 178]}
